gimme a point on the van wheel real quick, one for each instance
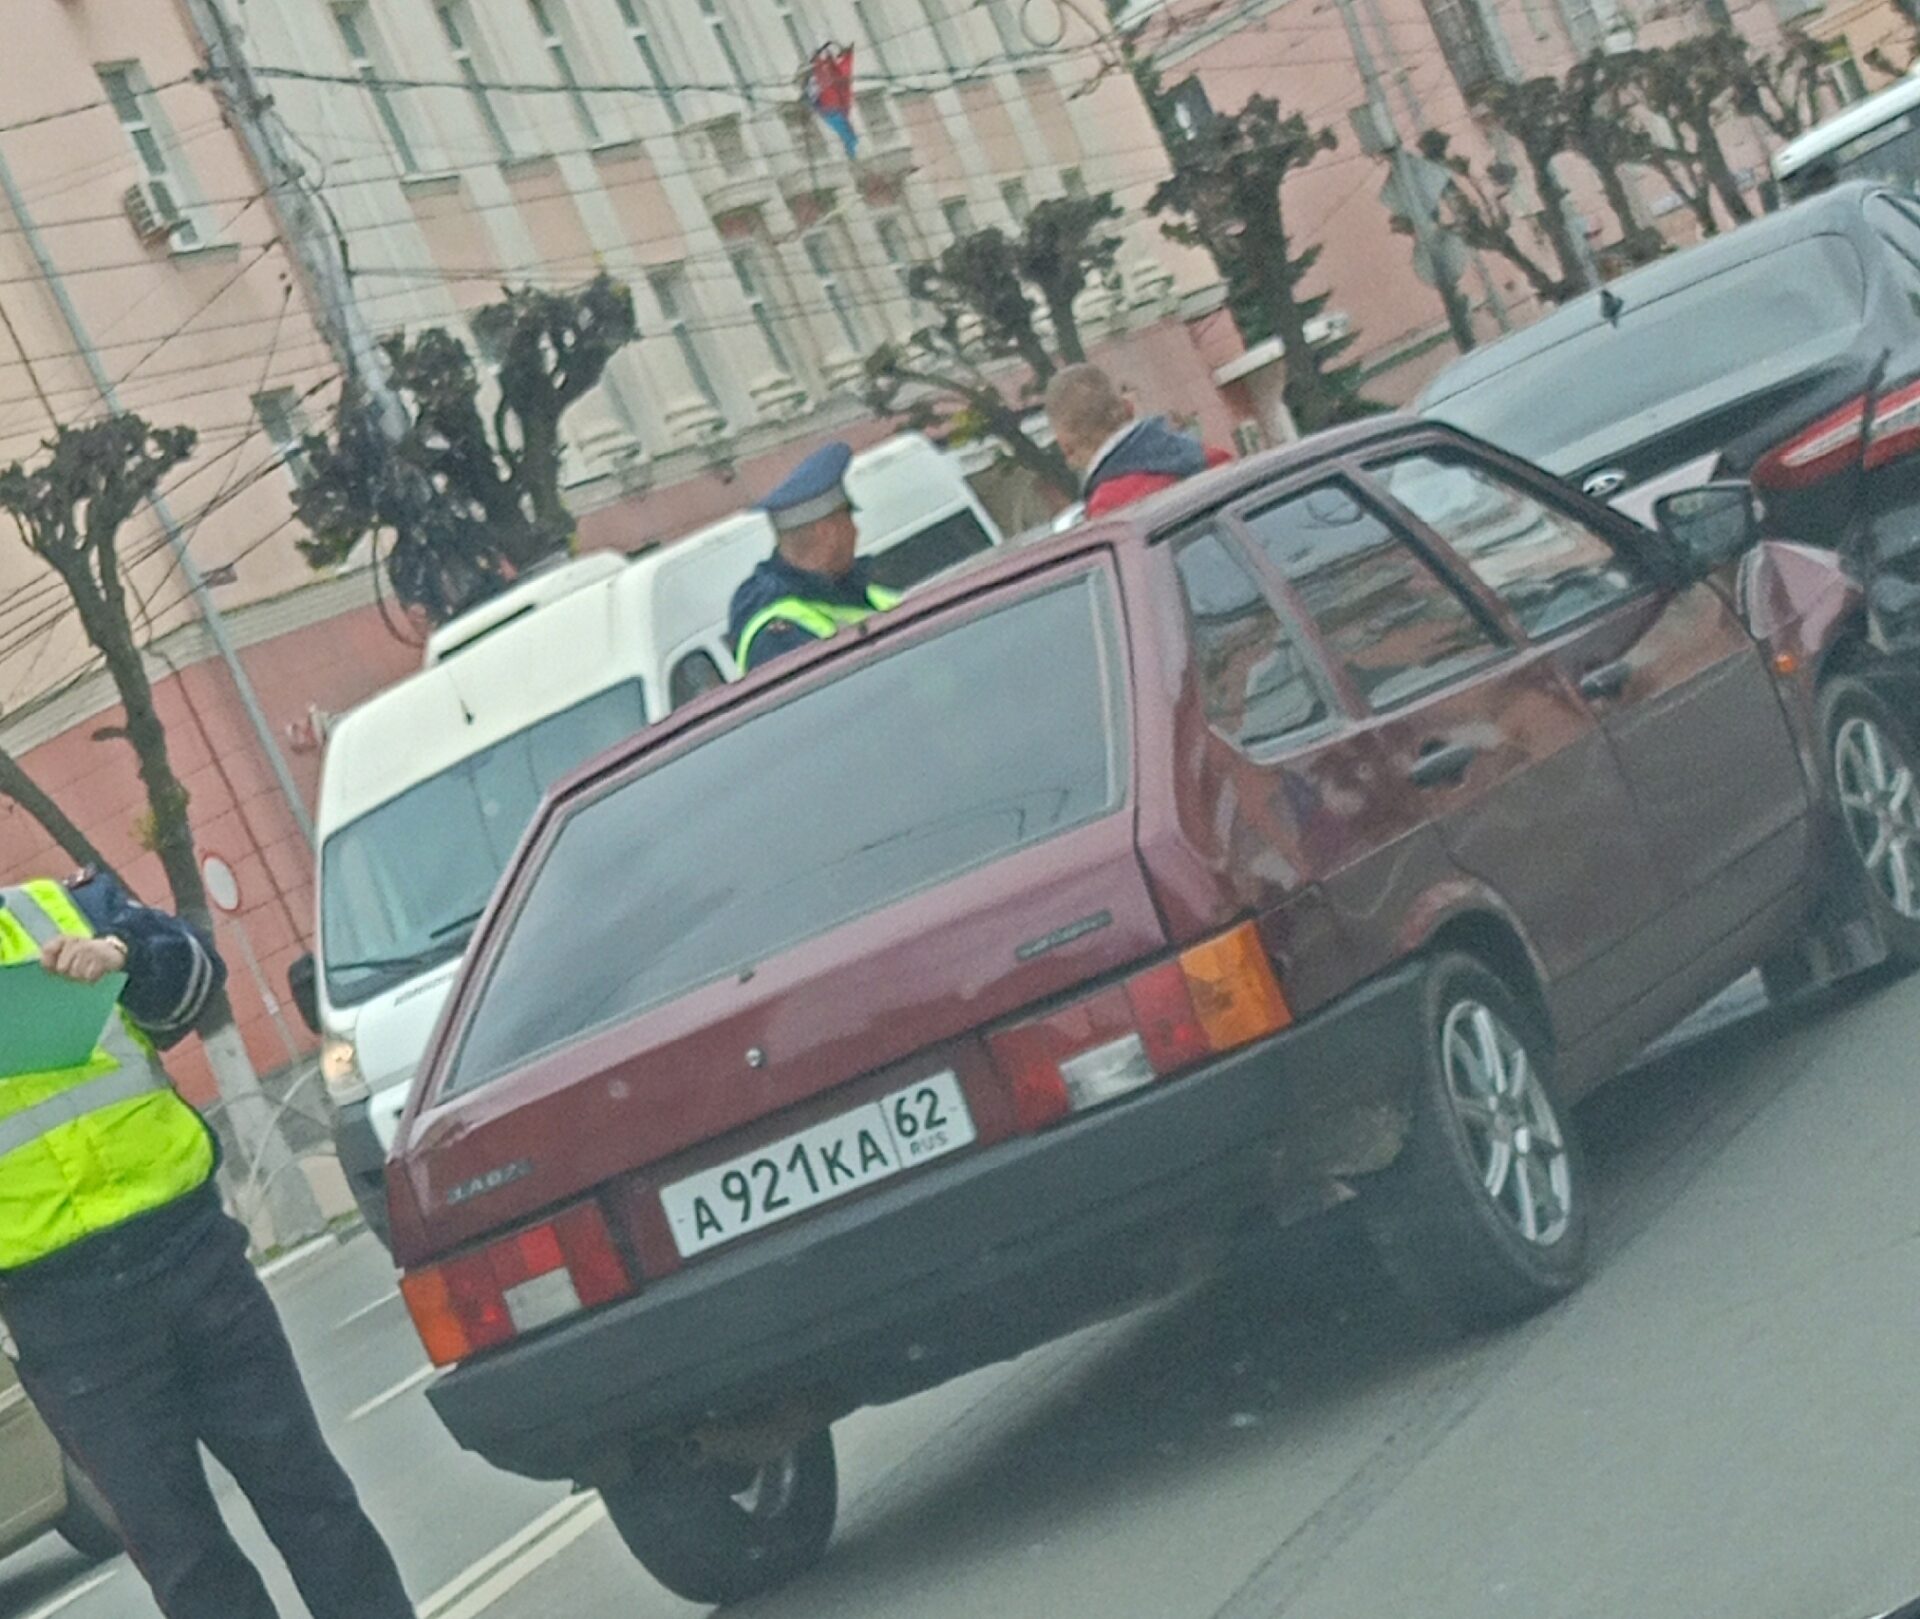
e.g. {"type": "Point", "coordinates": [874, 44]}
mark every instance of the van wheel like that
{"type": "Point", "coordinates": [87, 1525]}
{"type": "Point", "coordinates": [1871, 766]}
{"type": "Point", "coordinates": [1483, 1217]}
{"type": "Point", "coordinates": [717, 1534]}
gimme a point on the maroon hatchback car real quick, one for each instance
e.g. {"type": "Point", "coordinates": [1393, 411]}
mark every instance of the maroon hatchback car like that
{"type": "Point", "coordinates": [1321, 829]}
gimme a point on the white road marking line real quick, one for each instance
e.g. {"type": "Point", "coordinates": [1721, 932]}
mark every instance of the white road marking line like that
{"type": "Point", "coordinates": [73, 1594]}
{"type": "Point", "coordinates": [298, 1256]}
{"type": "Point", "coordinates": [404, 1386]}
{"type": "Point", "coordinates": [511, 1562]}
{"type": "Point", "coordinates": [366, 1310]}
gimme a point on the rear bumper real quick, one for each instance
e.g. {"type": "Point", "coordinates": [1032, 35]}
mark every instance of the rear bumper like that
{"type": "Point", "coordinates": [961, 1265]}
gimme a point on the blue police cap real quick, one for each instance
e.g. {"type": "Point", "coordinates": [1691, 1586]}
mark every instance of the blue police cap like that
{"type": "Point", "coordinates": [813, 490]}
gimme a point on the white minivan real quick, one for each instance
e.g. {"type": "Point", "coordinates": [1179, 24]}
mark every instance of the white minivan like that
{"type": "Point", "coordinates": [428, 786]}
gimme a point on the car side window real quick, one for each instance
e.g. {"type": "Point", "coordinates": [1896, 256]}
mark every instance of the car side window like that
{"type": "Point", "coordinates": [1254, 681]}
{"type": "Point", "coordinates": [692, 675]}
{"type": "Point", "coordinates": [1393, 621]}
{"type": "Point", "coordinates": [1549, 568]}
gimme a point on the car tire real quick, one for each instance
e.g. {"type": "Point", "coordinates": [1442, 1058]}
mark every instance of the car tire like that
{"type": "Point", "coordinates": [87, 1525]}
{"type": "Point", "coordinates": [706, 1538]}
{"type": "Point", "coordinates": [1482, 1219]}
{"type": "Point", "coordinates": [1872, 764]}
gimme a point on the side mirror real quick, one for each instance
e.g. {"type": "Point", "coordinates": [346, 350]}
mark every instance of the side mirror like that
{"type": "Point", "coordinates": [304, 985]}
{"type": "Point", "coordinates": [1711, 524]}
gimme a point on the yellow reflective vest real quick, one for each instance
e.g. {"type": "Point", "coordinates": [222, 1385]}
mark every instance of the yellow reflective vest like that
{"type": "Point", "coordinates": [818, 619]}
{"type": "Point", "coordinates": [83, 1149]}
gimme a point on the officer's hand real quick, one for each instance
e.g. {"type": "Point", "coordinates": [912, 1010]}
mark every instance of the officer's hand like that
{"type": "Point", "coordinates": [85, 961]}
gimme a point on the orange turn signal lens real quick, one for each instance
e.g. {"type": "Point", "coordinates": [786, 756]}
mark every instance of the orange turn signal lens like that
{"type": "Point", "coordinates": [1235, 994]}
{"type": "Point", "coordinates": [430, 1303]}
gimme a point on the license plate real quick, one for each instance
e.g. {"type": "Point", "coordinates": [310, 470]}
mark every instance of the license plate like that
{"type": "Point", "coordinates": [927, 1120]}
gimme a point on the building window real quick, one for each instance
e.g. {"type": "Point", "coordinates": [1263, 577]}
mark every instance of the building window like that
{"type": "Point", "coordinates": [1843, 75]}
{"type": "Point", "coordinates": [821, 257]}
{"type": "Point", "coordinates": [893, 243]}
{"type": "Point", "coordinates": [547, 19]}
{"type": "Point", "coordinates": [1005, 15]}
{"type": "Point", "coordinates": [877, 118]}
{"type": "Point", "coordinates": [1074, 184]}
{"type": "Point", "coordinates": [1462, 34]}
{"type": "Point", "coordinates": [640, 30]}
{"type": "Point", "coordinates": [286, 429]}
{"type": "Point", "coordinates": [1014, 194]}
{"type": "Point", "coordinates": [356, 33]}
{"type": "Point", "coordinates": [876, 40]}
{"type": "Point", "coordinates": [746, 270]}
{"type": "Point", "coordinates": [456, 23]}
{"type": "Point", "coordinates": [670, 292]}
{"type": "Point", "coordinates": [723, 38]}
{"type": "Point", "coordinates": [795, 25]}
{"type": "Point", "coordinates": [132, 100]}
{"type": "Point", "coordinates": [945, 39]}
{"type": "Point", "coordinates": [958, 213]}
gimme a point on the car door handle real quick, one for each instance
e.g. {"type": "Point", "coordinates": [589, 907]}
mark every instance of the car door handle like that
{"type": "Point", "coordinates": [1441, 764]}
{"type": "Point", "coordinates": [1607, 680]}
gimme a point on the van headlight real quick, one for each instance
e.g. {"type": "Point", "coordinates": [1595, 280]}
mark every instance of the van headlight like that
{"type": "Point", "coordinates": [340, 1073]}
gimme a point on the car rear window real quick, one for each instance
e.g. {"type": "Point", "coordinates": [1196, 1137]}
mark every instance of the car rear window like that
{"type": "Point", "coordinates": [1807, 295]}
{"type": "Point", "coordinates": [904, 773]}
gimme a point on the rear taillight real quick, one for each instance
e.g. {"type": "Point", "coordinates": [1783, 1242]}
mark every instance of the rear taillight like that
{"type": "Point", "coordinates": [1832, 444]}
{"type": "Point", "coordinates": [534, 1276]}
{"type": "Point", "coordinates": [1210, 999]}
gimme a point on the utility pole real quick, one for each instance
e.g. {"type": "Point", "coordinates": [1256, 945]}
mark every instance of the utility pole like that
{"type": "Point", "coordinates": [307, 227]}
{"type": "Point", "coordinates": [295, 1211]}
{"type": "Point", "coordinates": [1440, 256]}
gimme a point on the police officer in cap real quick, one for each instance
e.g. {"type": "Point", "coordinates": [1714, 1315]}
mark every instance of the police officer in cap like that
{"type": "Point", "coordinates": [141, 1330]}
{"type": "Point", "coordinates": [813, 585]}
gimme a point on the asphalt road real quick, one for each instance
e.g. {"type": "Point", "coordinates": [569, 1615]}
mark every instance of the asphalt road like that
{"type": "Point", "coordinates": [1723, 1423]}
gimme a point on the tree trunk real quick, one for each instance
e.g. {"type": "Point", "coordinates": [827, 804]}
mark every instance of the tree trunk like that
{"type": "Point", "coordinates": [17, 785]}
{"type": "Point", "coordinates": [1719, 173]}
{"type": "Point", "coordinates": [1044, 462]}
{"type": "Point", "coordinates": [282, 1188]}
{"type": "Point", "coordinates": [1554, 222]}
{"type": "Point", "coordinates": [1066, 326]}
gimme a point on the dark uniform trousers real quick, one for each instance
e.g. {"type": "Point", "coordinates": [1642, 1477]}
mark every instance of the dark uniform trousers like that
{"type": "Point", "coordinates": [162, 1342]}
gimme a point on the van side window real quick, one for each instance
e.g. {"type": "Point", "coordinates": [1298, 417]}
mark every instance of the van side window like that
{"type": "Point", "coordinates": [1394, 622]}
{"type": "Point", "coordinates": [1254, 682]}
{"type": "Point", "coordinates": [692, 675]}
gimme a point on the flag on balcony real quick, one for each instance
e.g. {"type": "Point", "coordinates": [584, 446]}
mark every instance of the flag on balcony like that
{"type": "Point", "coordinates": [830, 92]}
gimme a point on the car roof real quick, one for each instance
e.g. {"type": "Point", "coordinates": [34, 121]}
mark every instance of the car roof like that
{"type": "Point", "coordinates": [1831, 212]}
{"type": "Point", "coordinates": [536, 666]}
{"type": "Point", "coordinates": [1818, 142]}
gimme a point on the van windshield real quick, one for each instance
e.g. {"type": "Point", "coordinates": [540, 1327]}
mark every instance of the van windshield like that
{"type": "Point", "coordinates": [401, 887]}
{"type": "Point", "coordinates": [902, 774]}
{"type": "Point", "coordinates": [929, 552]}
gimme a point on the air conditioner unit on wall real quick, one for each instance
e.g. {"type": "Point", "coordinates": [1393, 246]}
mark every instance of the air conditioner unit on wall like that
{"type": "Point", "coordinates": [150, 211]}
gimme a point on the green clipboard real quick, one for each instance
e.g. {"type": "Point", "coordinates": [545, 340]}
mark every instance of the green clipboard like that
{"type": "Point", "coordinates": [50, 1023]}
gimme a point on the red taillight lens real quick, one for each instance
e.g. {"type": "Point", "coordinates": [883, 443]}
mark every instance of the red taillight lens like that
{"type": "Point", "coordinates": [524, 1280]}
{"type": "Point", "coordinates": [1210, 999]}
{"type": "Point", "coordinates": [1832, 444]}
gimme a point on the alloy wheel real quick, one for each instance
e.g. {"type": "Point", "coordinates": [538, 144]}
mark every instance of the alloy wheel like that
{"type": "Point", "coordinates": [1882, 810]}
{"type": "Point", "coordinates": [1510, 1124]}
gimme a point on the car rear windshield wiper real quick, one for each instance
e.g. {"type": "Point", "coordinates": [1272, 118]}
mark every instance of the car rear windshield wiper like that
{"type": "Point", "coordinates": [457, 924]}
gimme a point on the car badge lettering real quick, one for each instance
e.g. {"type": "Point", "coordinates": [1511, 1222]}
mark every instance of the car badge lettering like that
{"type": "Point", "coordinates": [491, 1181]}
{"type": "Point", "coordinates": [1064, 936]}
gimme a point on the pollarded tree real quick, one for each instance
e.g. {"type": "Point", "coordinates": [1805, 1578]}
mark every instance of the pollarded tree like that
{"type": "Point", "coordinates": [467, 498]}
{"type": "Point", "coordinates": [1226, 194]}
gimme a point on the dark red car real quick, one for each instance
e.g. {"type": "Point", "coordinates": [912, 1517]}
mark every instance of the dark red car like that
{"type": "Point", "coordinates": [1323, 828]}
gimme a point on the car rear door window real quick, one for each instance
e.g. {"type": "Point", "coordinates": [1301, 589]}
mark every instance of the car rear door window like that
{"type": "Point", "coordinates": [1549, 568]}
{"type": "Point", "coordinates": [1389, 617]}
{"type": "Point", "coordinates": [1257, 687]}
{"type": "Point", "coordinates": [905, 771]}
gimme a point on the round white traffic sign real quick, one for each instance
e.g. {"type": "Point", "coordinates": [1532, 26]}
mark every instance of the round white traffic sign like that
{"type": "Point", "coordinates": [223, 888]}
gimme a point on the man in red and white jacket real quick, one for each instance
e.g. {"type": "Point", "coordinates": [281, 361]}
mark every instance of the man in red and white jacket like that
{"type": "Point", "coordinates": [1119, 459]}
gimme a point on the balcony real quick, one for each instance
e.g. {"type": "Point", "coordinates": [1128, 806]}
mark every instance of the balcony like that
{"type": "Point", "coordinates": [729, 173]}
